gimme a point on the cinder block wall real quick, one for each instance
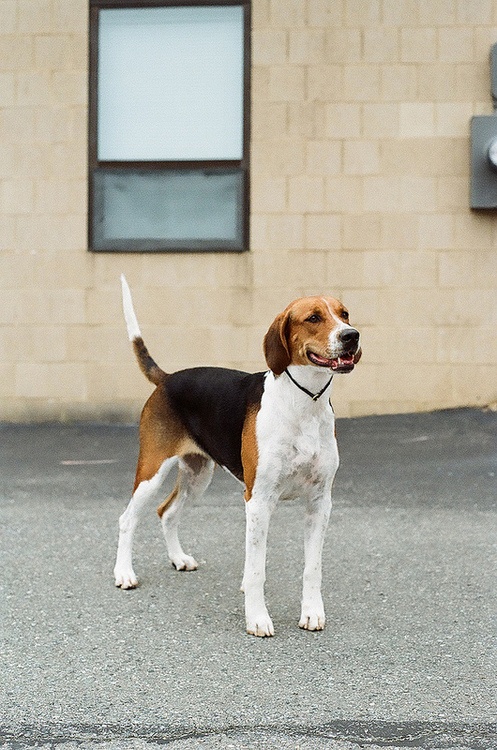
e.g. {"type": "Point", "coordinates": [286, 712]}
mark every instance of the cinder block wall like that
{"type": "Point", "coordinates": [360, 175]}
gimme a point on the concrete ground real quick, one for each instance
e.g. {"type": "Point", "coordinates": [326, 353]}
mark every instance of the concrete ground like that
{"type": "Point", "coordinates": [408, 657]}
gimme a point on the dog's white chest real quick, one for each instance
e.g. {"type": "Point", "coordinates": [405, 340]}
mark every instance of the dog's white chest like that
{"type": "Point", "coordinates": [297, 448]}
{"type": "Point", "coordinates": [311, 458]}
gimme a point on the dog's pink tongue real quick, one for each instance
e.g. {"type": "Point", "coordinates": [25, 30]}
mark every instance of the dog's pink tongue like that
{"type": "Point", "coordinates": [323, 361]}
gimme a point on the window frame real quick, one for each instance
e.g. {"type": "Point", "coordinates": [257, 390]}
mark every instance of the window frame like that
{"type": "Point", "coordinates": [95, 165]}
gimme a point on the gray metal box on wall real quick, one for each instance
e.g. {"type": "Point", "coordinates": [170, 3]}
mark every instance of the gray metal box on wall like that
{"type": "Point", "coordinates": [483, 190]}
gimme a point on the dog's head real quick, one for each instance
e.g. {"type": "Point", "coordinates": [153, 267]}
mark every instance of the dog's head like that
{"type": "Point", "coordinates": [312, 331]}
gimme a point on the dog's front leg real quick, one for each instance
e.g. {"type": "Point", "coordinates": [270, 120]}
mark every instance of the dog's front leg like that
{"type": "Point", "coordinates": [258, 514]}
{"type": "Point", "coordinates": [318, 514]}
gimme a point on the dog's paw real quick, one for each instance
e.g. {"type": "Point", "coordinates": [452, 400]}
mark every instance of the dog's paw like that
{"type": "Point", "coordinates": [184, 562]}
{"type": "Point", "coordinates": [125, 579]}
{"type": "Point", "coordinates": [312, 619]}
{"type": "Point", "coordinates": [260, 625]}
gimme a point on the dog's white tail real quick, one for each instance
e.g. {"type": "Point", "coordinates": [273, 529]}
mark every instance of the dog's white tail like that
{"type": "Point", "coordinates": [148, 366]}
{"type": "Point", "coordinates": [129, 311]}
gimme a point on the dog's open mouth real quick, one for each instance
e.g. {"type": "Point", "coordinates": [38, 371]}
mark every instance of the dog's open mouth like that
{"type": "Point", "coordinates": [344, 363]}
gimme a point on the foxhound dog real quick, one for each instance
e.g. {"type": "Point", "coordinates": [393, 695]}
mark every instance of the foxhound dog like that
{"type": "Point", "coordinates": [274, 431]}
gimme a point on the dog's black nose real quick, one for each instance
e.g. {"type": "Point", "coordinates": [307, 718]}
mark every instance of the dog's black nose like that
{"type": "Point", "coordinates": [349, 337]}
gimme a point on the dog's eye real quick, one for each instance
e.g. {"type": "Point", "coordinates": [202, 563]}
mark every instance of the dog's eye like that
{"type": "Point", "coordinates": [345, 315]}
{"type": "Point", "coordinates": [314, 318]}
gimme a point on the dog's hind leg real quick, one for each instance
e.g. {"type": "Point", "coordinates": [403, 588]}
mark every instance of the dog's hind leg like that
{"type": "Point", "coordinates": [145, 492]}
{"type": "Point", "coordinates": [194, 476]}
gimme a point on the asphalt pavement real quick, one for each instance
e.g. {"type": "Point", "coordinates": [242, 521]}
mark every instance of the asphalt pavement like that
{"type": "Point", "coordinates": [407, 659]}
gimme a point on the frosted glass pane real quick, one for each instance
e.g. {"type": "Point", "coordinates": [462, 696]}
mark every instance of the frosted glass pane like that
{"type": "Point", "coordinates": [150, 210]}
{"type": "Point", "coordinates": [170, 83]}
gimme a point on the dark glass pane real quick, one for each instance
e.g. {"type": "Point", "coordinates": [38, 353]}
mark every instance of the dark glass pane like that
{"type": "Point", "coordinates": [170, 209]}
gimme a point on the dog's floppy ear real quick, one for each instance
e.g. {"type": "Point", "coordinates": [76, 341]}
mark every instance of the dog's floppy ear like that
{"type": "Point", "coordinates": [276, 347]}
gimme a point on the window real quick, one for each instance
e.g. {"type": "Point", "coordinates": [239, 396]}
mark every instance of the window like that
{"type": "Point", "coordinates": [168, 161]}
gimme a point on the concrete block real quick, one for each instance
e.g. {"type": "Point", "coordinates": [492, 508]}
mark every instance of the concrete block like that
{"type": "Point", "coordinates": [301, 120]}
{"type": "Point", "coordinates": [323, 232]}
{"type": "Point", "coordinates": [285, 232]}
{"type": "Point", "coordinates": [287, 13]}
{"type": "Point", "coordinates": [70, 87]}
{"type": "Point", "coordinates": [359, 13]}
{"type": "Point", "coordinates": [410, 269]}
{"type": "Point", "coordinates": [344, 194]}
{"type": "Point", "coordinates": [325, 83]}
{"type": "Point", "coordinates": [456, 269]}
{"type": "Point", "coordinates": [48, 343]}
{"type": "Point", "coordinates": [323, 157]}
{"type": "Point", "coordinates": [399, 231]}
{"type": "Point", "coordinates": [59, 196]}
{"type": "Point", "coordinates": [405, 13]}
{"type": "Point", "coordinates": [473, 230]}
{"type": "Point", "coordinates": [308, 270]}
{"type": "Point", "coordinates": [471, 82]}
{"type": "Point", "coordinates": [32, 380]}
{"type": "Point", "coordinates": [16, 52]}
{"type": "Point", "coordinates": [268, 118]}
{"type": "Point", "coordinates": [68, 305]}
{"type": "Point", "coordinates": [53, 125]}
{"type": "Point", "coordinates": [452, 193]}
{"type": "Point", "coordinates": [17, 125]}
{"type": "Point", "coordinates": [474, 12]}
{"type": "Point", "coordinates": [436, 231]}
{"type": "Point", "coordinates": [269, 46]}
{"type": "Point", "coordinates": [436, 82]}
{"type": "Point", "coordinates": [8, 16]}
{"type": "Point", "coordinates": [53, 52]}
{"type": "Point", "coordinates": [7, 89]}
{"type": "Point", "coordinates": [455, 44]}
{"type": "Point", "coordinates": [261, 14]}
{"type": "Point", "coordinates": [416, 120]}
{"type": "Point", "coordinates": [307, 46]}
{"type": "Point", "coordinates": [433, 157]}
{"type": "Point", "coordinates": [361, 83]}
{"type": "Point", "coordinates": [343, 120]}
{"type": "Point", "coordinates": [7, 391]}
{"type": "Point", "coordinates": [7, 233]}
{"type": "Point", "coordinates": [398, 83]}
{"type": "Point", "coordinates": [286, 83]}
{"type": "Point", "coordinates": [345, 270]}
{"type": "Point", "coordinates": [269, 194]}
{"type": "Point", "coordinates": [361, 231]}
{"type": "Point", "coordinates": [477, 390]}
{"type": "Point", "coordinates": [418, 45]}
{"type": "Point", "coordinates": [441, 13]}
{"type": "Point", "coordinates": [69, 17]}
{"type": "Point", "coordinates": [16, 196]}
{"type": "Point", "coordinates": [361, 157]}
{"type": "Point", "coordinates": [35, 16]}
{"type": "Point", "coordinates": [324, 13]}
{"type": "Point", "coordinates": [343, 46]}
{"type": "Point", "coordinates": [278, 157]}
{"type": "Point", "coordinates": [418, 194]}
{"type": "Point", "coordinates": [381, 194]}
{"type": "Point", "coordinates": [306, 194]}
{"type": "Point", "coordinates": [380, 120]}
{"type": "Point", "coordinates": [452, 118]}
{"type": "Point", "coordinates": [33, 88]}
{"type": "Point", "coordinates": [381, 44]}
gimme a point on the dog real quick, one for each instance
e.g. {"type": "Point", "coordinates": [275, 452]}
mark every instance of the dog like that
{"type": "Point", "coordinates": [274, 431]}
